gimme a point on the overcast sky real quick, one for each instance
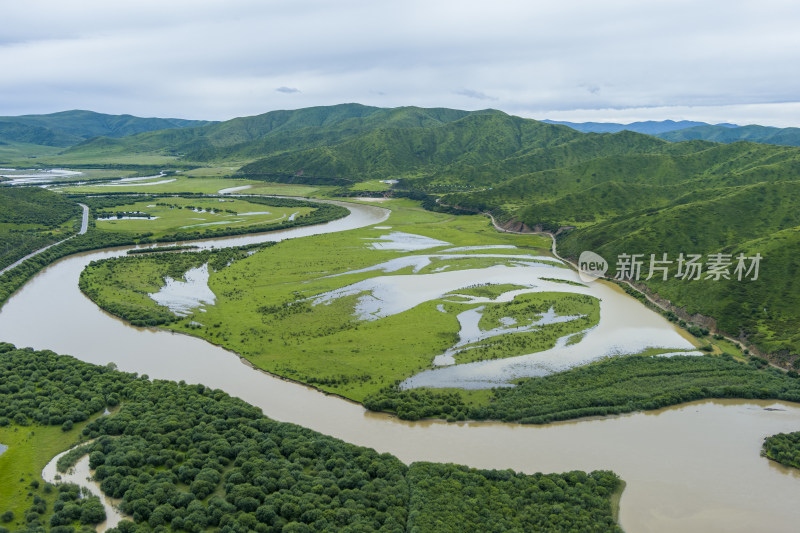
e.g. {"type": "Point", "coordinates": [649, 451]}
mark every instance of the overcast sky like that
{"type": "Point", "coordinates": [610, 60]}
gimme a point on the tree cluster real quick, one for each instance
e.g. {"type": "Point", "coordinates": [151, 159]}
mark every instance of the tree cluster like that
{"type": "Point", "coordinates": [783, 448]}
{"type": "Point", "coordinates": [612, 386]}
{"type": "Point", "coordinates": [189, 458]}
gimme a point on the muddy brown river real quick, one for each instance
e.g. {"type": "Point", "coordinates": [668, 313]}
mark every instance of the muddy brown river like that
{"type": "Point", "coordinates": [694, 467]}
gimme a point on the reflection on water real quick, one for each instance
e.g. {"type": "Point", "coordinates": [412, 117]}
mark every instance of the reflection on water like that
{"type": "Point", "coordinates": [3, 448]}
{"type": "Point", "coordinates": [692, 468]}
{"type": "Point", "coordinates": [405, 242]}
{"type": "Point", "coordinates": [183, 297]}
{"type": "Point", "coordinates": [470, 332]}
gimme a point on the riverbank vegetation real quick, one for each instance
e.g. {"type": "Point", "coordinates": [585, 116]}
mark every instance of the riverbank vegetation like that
{"type": "Point", "coordinates": [189, 458]}
{"type": "Point", "coordinates": [783, 448]}
{"type": "Point", "coordinates": [613, 386]}
{"type": "Point", "coordinates": [450, 498]}
{"type": "Point", "coordinates": [32, 218]}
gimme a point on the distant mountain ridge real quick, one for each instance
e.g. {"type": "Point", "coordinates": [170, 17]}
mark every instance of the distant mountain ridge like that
{"type": "Point", "coordinates": [67, 128]}
{"type": "Point", "coordinates": [752, 133]}
{"type": "Point", "coordinates": [687, 130]}
{"type": "Point", "coordinates": [649, 127]}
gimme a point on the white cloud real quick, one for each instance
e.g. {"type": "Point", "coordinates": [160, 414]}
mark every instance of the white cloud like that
{"type": "Point", "coordinates": [224, 58]}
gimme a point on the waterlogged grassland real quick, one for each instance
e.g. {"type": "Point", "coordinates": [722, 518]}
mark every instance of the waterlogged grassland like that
{"type": "Point", "coordinates": [194, 214]}
{"type": "Point", "coordinates": [185, 183]}
{"type": "Point", "coordinates": [524, 309]}
{"type": "Point", "coordinates": [488, 291]}
{"type": "Point", "coordinates": [265, 306]}
{"type": "Point", "coordinates": [124, 286]}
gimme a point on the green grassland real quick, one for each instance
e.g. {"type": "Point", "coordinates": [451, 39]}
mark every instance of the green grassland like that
{"type": "Point", "coordinates": [172, 214]}
{"type": "Point", "coordinates": [488, 291]}
{"type": "Point", "coordinates": [30, 448]}
{"type": "Point", "coordinates": [371, 185]}
{"type": "Point", "coordinates": [271, 320]}
{"type": "Point", "coordinates": [15, 154]}
{"type": "Point", "coordinates": [202, 185]}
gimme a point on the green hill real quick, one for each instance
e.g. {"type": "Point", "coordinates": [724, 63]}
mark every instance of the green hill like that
{"type": "Point", "coordinates": [24, 133]}
{"type": "Point", "coordinates": [68, 128]}
{"type": "Point", "coordinates": [392, 151]}
{"type": "Point", "coordinates": [250, 138]}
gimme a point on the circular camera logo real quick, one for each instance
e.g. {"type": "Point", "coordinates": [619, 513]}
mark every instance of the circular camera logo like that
{"type": "Point", "coordinates": [591, 266]}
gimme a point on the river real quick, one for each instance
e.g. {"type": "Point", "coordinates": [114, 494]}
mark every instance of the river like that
{"type": "Point", "coordinates": [694, 467]}
{"type": "Point", "coordinates": [80, 474]}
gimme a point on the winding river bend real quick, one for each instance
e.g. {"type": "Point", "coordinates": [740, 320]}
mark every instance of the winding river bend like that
{"type": "Point", "coordinates": [694, 467]}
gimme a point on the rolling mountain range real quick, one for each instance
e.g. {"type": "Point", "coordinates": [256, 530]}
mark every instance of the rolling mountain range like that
{"type": "Point", "coordinates": [623, 192]}
{"type": "Point", "coordinates": [68, 128]}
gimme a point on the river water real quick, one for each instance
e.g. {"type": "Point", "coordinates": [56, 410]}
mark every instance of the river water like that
{"type": "Point", "coordinates": [695, 467]}
{"type": "Point", "coordinates": [80, 474]}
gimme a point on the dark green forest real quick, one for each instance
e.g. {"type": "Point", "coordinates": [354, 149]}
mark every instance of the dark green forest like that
{"type": "Point", "coordinates": [451, 498]}
{"type": "Point", "coordinates": [32, 218]}
{"type": "Point", "coordinates": [188, 458]}
{"type": "Point", "coordinates": [612, 386]}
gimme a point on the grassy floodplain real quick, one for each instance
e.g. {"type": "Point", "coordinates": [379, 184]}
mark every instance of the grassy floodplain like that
{"type": "Point", "coordinates": [167, 215]}
{"type": "Point", "coordinates": [265, 309]}
{"type": "Point", "coordinates": [204, 181]}
{"type": "Point", "coordinates": [268, 309]}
